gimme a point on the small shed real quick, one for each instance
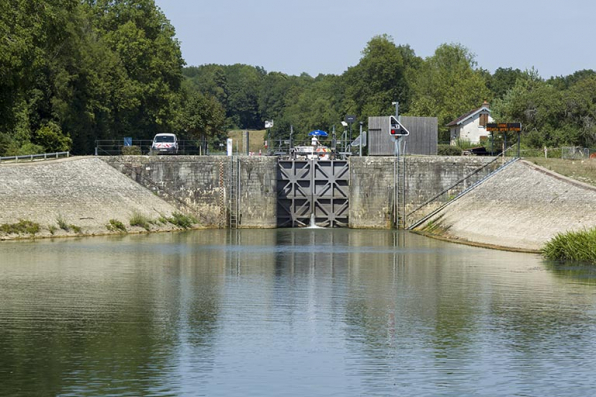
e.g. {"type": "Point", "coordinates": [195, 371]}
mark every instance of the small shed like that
{"type": "Point", "coordinates": [423, 137]}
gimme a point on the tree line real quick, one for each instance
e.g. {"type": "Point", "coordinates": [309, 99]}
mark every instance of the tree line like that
{"type": "Point", "coordinates": [554, 112]}
{"type": "Point", "coordinates": [76, 71]}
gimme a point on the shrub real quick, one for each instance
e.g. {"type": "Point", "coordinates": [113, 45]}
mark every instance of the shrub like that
{"type": "Point", "coordinates": [140, 220]}
{"type": "Point", "coordinates": [572, 246]}
{"type": "Point", "coordinates": [464, 144]}
{"type": "Point", "coordinates": [448, 150]}
{"type": "Point", "coordinates": [62, 223]}
{"type": "Point", "coordinates": [131, 150]}
{"type": "Point", "coordinates": [76, 229]}
{"type": "Point", "coordinates": [21, 227]}
{"type": "Point", "coordinates": [181, 220]}
{"type": "Point", "coordinates": [115, 225]}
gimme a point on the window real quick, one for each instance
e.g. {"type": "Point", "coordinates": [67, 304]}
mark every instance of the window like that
{"type": "Point", "coordinates": [483, 119]}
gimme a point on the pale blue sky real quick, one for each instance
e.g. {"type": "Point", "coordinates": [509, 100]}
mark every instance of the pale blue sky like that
{"type": "Point", "coordinates": [327, 36]}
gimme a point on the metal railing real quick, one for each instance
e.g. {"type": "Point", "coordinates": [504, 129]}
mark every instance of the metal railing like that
{"type": "Point", "coordinates": [143, 147]}
{"type": "Point", "coordinates": [32, 157]}
{"type": "Point", "coordinates": [453, 193]}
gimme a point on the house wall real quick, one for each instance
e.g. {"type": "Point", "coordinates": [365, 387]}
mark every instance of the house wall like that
{"type": "Point", "coordinates": [470, 130]}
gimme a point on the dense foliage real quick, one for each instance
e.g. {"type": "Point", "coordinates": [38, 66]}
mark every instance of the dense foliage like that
{"type": "Point", "coordinates": [555, 112]}
{"type": "Point", "coordinates": [76, 71]}
{"type": "Point", "coordinates": [579, 246]}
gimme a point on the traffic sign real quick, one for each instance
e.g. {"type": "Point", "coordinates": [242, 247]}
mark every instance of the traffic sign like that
{"type": "Point", "coordinates": [396, 129]}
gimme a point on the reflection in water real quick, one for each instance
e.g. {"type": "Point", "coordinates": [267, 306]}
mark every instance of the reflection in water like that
{"type": "Point", "coordinates": [292, 312]}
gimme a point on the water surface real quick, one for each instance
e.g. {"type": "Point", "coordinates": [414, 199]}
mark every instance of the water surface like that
{"type": "Point", "coordinates": [295, 312]}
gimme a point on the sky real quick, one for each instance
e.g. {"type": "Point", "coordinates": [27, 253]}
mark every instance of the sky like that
{"type": "Point", "coordinates": [328, 36]}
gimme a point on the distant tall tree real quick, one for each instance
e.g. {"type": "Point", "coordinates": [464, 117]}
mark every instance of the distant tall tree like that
{"type": "Point", "coordinates": [143, 39]}
{"type": "Point", "coordinates": [552, 116]}
{"type": "Point", "coordinates": [244, 83]}
{"type": "Point", "coordinates": [379, 78]}
{"type": "Point", "coordinates": [448, 85]}
{"type": "Point", "coordinates": [503, 80]}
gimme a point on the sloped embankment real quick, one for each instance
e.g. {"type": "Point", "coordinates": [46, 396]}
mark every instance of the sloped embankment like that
{"type": "Point", "coordinates": [83, 192]}
{"type": "Point", "coordinates": [522, 207]}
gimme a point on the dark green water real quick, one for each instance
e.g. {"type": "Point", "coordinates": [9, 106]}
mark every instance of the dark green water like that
{"type": "Point", "coordinates": [290, 312]}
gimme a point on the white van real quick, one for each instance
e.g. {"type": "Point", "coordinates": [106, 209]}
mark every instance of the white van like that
{"type": "Point", "coordinates": [164, 144]}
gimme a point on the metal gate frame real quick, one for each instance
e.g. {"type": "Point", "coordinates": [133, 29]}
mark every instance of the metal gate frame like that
{"type": "Point", "coordinates": [313, 193]}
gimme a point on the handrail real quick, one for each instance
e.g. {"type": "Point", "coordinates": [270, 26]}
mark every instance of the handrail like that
{"type": "Point", "coordinates": [476, 171]}
{"type": "Point", "coordinates": [464, 192]}
{"type": "Point", "coordinates": [32, 157]}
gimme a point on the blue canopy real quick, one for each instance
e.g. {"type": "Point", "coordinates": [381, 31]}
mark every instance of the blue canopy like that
{"type": "Point", "coordinates": [317, 133]}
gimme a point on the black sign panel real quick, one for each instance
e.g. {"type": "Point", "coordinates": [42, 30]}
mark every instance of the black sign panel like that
{"type": "Point", "coordinates": [350, 119]}
{"type": "Point", "coordinates": [503, 127]}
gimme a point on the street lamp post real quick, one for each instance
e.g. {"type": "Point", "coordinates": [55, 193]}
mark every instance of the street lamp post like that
{"type": "Point", "coordinates": [343, 135]}
{"type": "Point", "coordinates": [360, 145]}
{"type": "Point", "coordinates": [350, 119]}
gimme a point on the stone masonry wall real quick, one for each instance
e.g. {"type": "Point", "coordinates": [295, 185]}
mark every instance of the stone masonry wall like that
{"type": "Point", "coordinates": [201, 185]}
{"type": "Point", "coordinates": [372, 184]}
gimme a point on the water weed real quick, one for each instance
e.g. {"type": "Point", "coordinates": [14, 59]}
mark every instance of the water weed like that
{"type": "Point", "coordinates": [579, 246]}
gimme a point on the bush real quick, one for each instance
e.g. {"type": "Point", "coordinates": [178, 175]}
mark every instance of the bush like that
{"type": "Point", "coordinates": [448, 150]}
{"type": "Point", "coordinates": [21, 227]}
{"type": "Point", "coordinates": [140, 220]}
{"type": "Point", "coordinates": [181, 220]}
{"type": "Point", "coordinates": [131, 150]}
{"type": "Point", "coordinates": [115, 225]}
{"type": "Point", "coordinates": [51, 137]}
{"type": "Point", "coordinates": [62, 223]}
{"type": "Point", "coordinates": [572, 246]}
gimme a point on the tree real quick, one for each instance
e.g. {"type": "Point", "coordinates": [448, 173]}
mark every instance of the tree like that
{"type": "Point", "coordinates": [34, 34]}
{"type": "Point", "coordinates": [447, 85]}
{"type": "Point", "coordinates": [202, 118]}
{"type": "Point", "coordinates": [380, 78]}
{"type": "Point", "coordinates": [143, 40]}
{"type": "Point", "coordinates": [503, 80]}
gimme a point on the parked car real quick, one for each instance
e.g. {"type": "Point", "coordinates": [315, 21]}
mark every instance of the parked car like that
{"type": "Point", "coordinates": [164, 144]}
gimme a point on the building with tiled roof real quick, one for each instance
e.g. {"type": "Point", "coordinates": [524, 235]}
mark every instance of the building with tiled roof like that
{"type": "Point", "coordinates": [471, 126]}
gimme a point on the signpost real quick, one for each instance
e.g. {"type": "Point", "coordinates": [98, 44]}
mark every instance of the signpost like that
{"type": "Point", "coordinates": [396, 129]}
{"type": "Point", "coordinates": [505, 128]}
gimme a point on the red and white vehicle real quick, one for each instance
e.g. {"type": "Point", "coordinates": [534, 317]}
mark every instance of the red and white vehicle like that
{"type": "Point", "coordinates": [164, 144]}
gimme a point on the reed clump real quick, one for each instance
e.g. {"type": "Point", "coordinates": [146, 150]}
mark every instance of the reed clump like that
{"type": "Point", "coordinates": [22, 227]}
{"type": "Point", "coordinates": [182, 221]}
{"type": "Point", "coordinates": [577, 246]}
{"type": "Point", "coordinates": [138, 219]}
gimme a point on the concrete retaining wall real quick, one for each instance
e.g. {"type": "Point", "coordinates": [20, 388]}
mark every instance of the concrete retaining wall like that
{"type": "Point", "coordinates": [523, 206]}
{"type": "Point", "coordinates": [84, 192]}
{"type": "Point", "coordinates": [201, 185]}
{"type": "Point", "coordinates": [372, 183]}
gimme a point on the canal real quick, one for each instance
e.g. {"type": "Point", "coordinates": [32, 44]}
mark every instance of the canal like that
{"type": "Point", "coordinates": [294, 312]}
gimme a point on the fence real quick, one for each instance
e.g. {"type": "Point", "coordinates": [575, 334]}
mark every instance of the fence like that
{"type": "Point", "coordinates": [575, 153]}
{"type": "Point", "coordinates": [32, 157]}
{"type": "Point", "coordinates": [117, 147]}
